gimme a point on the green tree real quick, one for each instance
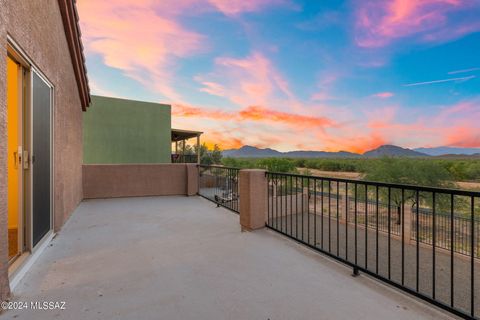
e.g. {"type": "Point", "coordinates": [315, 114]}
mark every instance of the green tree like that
{"type": "Point", "coordinates": [410, 172]}
{"type": "Point", "coordinates": [277, 165]}
{"type": "Point", "coordinates": [189, 150]}
{"type": "Point", "coordinates": [210, 157]}
{"type": "Point", "coordinates": [216, 154]}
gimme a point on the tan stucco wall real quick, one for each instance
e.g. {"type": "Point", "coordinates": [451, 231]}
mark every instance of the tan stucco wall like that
{"type": "Point", "coordinates": [4, 288]}
{"type": "Point", "coordinates": [36, 26]}
{"type": "Point", "coordinates": [137, 180]}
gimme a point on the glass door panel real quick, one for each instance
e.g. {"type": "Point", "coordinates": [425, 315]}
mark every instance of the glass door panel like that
{"type": "Point", "coordinates": [41, 158]}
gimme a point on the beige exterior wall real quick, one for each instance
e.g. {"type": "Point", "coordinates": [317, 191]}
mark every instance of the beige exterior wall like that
{"type": "Point", "coordinates": [138, 180]}
{"type": "Point", "coordinates": [37, 27]}
{"type": "Point", "coordinates": [4, 288]}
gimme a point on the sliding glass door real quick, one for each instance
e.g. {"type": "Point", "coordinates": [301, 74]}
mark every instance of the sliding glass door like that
{"type": "Point", "coordinates": [29, 155]}
{"type": "Point", "coordinates": [41, 158]}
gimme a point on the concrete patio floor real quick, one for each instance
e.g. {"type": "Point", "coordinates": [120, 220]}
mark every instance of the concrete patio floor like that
{"type": "Point", "coordinates": [183, 258]}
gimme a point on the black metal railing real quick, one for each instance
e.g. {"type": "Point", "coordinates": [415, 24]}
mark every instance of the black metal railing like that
{"type": "Point", "coordinates": [462, 227]}
{"type": "Point", "coordinates": [220, 185]}
{"type": "Point", "coordinates": [184, 158]}
{"type": "Point", "coordinates": [372, 227]}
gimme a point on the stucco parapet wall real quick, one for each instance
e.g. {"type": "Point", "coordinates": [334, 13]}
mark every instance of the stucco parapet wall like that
{"type": "Point", "coordinates": [137, 180]}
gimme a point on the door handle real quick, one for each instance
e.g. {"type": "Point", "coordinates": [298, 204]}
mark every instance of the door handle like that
{"type": "Point", "coordinates": [17, 158]}
{"type": "Point", "coordinates": [26, 160]}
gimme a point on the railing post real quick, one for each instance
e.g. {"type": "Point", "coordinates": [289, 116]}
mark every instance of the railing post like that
{"type": "Point", "coordinates": [275, 198]}
{"type": "Point", "coordinates": [253, 199]}
{"type": "Point", "coordinates": [305, 199]}
{"type": "Point", "coordinates": [407, 224]}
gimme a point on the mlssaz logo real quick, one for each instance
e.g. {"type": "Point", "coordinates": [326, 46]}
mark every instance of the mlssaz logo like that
{"type": "Point", "coordinates": [47, 305]}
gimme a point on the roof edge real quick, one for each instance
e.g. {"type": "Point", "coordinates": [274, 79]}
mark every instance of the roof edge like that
{"type": "Point", "coordinates": [72, 32]}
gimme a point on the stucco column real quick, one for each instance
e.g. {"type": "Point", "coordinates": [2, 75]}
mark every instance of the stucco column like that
{"type": "Point", "coordinates": [192, 179]}
{"type": "Point", "coordinates": [253, 199]}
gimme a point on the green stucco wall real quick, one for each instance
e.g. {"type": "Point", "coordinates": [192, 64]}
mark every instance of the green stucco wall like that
{"type": "Point", "coordinates": [126, 131]}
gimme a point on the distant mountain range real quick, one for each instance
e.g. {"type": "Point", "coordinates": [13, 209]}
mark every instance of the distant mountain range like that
{"type": "Point", "coordinates": [254, 152]}
{"type": "Point", "coordinates": [393, 151]}
{"type": "Point", "coordinates": [448, 151]}
{"type": "Point", "coordinates": [385, 150]}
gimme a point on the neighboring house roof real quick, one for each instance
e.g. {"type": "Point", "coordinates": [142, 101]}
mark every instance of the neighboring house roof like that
{"type": "Point", "coordinates": [74, 40]}
{"type": "Point", "coordinates": [179, 134]}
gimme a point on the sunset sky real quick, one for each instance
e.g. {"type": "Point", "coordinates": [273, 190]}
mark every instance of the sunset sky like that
{"type": "Point", "coordinates": [295, 74]}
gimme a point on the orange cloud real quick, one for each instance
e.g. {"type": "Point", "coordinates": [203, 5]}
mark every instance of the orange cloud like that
{"type": "Point", "coordinates": [463, 137]}
{"type": "Point", "coordinates": [214, 137]}
{"type": "Point", "coordinates": [190, 111]}
{"type": "Point", "coordinates": [380, 22]}
{"type": "Point", "coordinates": [357, 144]}
{"type": "Point", "coordinates": [265, 127]}
{"type": "Point", "coordinates": [256, 113]}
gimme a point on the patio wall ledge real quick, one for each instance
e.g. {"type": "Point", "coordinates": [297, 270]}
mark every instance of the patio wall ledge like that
{"type": "Point", "coordinates": [138, 180]}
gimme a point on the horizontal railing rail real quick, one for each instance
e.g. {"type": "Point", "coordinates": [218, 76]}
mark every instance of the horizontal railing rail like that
{"type": "Point", "coordinates": [385, 184]}
{"type": "Point", "coordinates": [220, 185]}
{"type": "Point", "coordinates": [422, 240]}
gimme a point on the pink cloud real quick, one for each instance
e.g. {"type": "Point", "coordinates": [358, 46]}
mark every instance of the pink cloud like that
{"type": "Point", "coordinates": [383, 95]}
{"type": "Point", "coordinates": [145, 38]}
{"type": "Point", "coordinates": [252, 80]}
{"type": "Point", "coordinates": [324, 85]}
{"type": "Point", "coordinates": [132, 37]}
{"type": "Point", "coordinates": [454, 125]}
{"type": "Point", "coordinates": [234, 7]}
{"type": "Point", "coordinates": [320, 96]}
{"type": "Point", "coordinates": [379, 22]}
{"type": "Point", "coordinates": [461, 125]}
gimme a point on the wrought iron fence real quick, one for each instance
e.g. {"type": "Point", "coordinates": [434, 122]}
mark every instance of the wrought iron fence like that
{"type": "Point", "coordinates": [220, 185]}
{"type": "Point", "coordinates": [184, 158]}
{"type": "Point", "coordinates": [462, 229]}
{"type": "Point", "coordinates": [372, 227]}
